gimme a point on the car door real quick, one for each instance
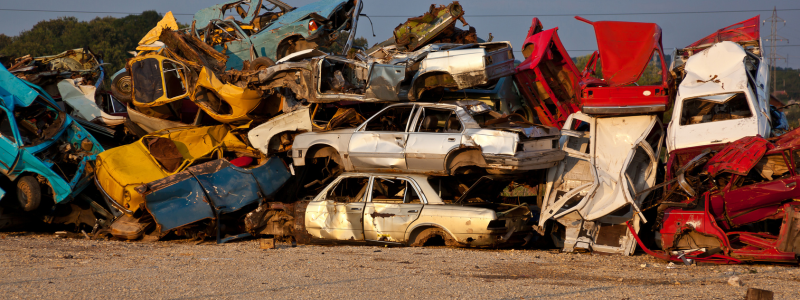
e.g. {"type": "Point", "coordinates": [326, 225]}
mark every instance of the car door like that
{"type": "Point", "coordinates": [9, 148]}
{"type": "Point", "coordinates": [379, 143]}
{"type": "Point", "coordinates": [436, 132]}
{"type": "Point", "coordinates": [394, 204]}
{"type": "Point", "coordinates": [761, 191]}
{"type": "Point", "coordinates": [336, 214]}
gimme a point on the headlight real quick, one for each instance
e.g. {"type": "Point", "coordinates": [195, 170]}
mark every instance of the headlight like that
{"type": "Point", "coordinates": [312, 25]}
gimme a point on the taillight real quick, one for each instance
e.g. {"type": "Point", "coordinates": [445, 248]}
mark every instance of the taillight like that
{"type": "Point", "coordinates": [312, 25]}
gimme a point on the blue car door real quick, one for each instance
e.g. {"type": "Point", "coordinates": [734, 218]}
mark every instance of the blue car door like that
{"type": "Point", "coordinates": [9, 148]}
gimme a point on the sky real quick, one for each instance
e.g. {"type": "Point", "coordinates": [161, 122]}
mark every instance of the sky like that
{"type": "Point", "coordinates": [679, 29]}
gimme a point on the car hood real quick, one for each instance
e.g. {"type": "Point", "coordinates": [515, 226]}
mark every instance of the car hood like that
{"type": "Point", "coordinates": [716, 70]}
{"type": "Point", "coordinates": [625, 48]}
{"type": "Point", "coordinates": [324, 8]}
{"type": "Point", "coordinates": [14, 91]}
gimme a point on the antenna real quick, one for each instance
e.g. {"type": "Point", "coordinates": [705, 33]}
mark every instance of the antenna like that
{"type": "Point", "coordinates": [773, 39]}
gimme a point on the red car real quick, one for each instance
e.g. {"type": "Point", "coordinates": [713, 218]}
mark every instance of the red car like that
{"type": "Point", "coordinates": [737, 205]}
{"type": "Point", "coordinates": [547, 79]}
{"type": "Point", "coordinates": [633, 77]}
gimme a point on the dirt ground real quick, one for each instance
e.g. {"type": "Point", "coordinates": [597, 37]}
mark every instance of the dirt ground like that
{"type": "Point", "coordinates": [47, 266]}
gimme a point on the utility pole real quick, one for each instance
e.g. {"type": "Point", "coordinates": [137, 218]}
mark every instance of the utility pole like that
{"type": "Point", "coordinates": [773, 39]}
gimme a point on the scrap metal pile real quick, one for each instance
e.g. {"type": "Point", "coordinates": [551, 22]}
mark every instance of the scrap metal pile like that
{"type": "Point", "coordinates": [262, 119]}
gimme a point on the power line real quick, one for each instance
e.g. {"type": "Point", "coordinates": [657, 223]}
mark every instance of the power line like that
{"type": "Point", "coordinates": [468, 15]}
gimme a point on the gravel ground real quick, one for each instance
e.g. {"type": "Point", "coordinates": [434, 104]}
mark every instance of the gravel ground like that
{"type": "Point", "coordinates": [46, 266]}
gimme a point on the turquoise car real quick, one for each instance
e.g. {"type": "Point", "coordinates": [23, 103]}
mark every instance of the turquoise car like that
{"type": "Point", "coordinates": [264, 35]}
{"type": "Point", "coordinates": [42, 146]}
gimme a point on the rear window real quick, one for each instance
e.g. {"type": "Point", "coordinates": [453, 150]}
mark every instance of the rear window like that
{"type": "Point", "coordinates": [715, 108]}
{"type": "Point", "coordinates": [147, 80]}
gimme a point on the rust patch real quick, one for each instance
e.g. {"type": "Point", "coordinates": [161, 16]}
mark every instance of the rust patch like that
{"type": "Point", "coordinates": [380, 215]}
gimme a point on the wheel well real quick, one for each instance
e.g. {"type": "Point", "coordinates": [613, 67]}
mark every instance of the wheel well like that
{"type": "Point", "coordinates": [47, 191]}
{"type": "Point", "coordinates": [275, 143]}
{"type": "Point", "coordinates": [314, 149]}
{"type": "Point", "coordinates": [286, 43]}
{"type": "Point", "coordinates": [446, 238]}
{"type": "Point", "coordinates": [464, 157]}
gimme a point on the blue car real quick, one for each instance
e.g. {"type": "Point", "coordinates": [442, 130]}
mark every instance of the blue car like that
{"type": "Point", "coordinates": [48, 156]}
{"type": "Point", "coordinates": [267, 34]}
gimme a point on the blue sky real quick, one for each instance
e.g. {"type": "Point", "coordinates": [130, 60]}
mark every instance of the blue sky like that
{"type": "Point", "coordinates": [678, 29]}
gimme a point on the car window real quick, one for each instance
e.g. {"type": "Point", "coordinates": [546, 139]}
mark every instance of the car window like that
{"type": "Point", "coordinates": [394, 191]}
{"type": "Point", "coordinates": [715, 108]}
{"type": "Point", "coordinates": [147, 80]}
{"type": "Point", "coordinates": [392, 119]}
{"type": "Point", "coordinates": [347, 190]}
{"type": "Point", "coordinates": [770, 167]}
{"type": "Point", "coordinates": [173, 79]}
{"type": "Point", "coordinates": [6, 130]}
{"type": "Point", "coordinates": [438, 120]}
{"type": "Point", "coordinates": [796, 154]}
{"type": "Point", "coordinates": [652, 74]}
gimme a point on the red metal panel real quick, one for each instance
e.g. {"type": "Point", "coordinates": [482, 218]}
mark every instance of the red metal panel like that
{"type": "Point", "coordinates": [747, 30]}
{"type": "Point", "coordinates": [625, 48]}
{"type": "Point", "coordinates": [739, 157]}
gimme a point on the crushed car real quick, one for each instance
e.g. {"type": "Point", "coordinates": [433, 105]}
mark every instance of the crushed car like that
{"type": "Point", "coordinates": [723, 91]}
{"type": "Point", "coordinates": [734, 205]}
{"type": "Point", "coordinates": [155, 156]}
{"type": "Point", "coordinates": [437, 25]}
{"type": "Point", "coordinates": [402, 209]}
{"type": "Point", "coordinates": [48, 71]}
{"type": "Point", "coordinates": [265, 35]}
{"type": "Point", "coordinates": [548, 78]}
{"type": "Point", "coordinates": [431, 138]}
{"type": "Point", "coordinates": [46, 154]}
{"type": "Point", "coordinates": [200, 199]}
{"type": "Point", "coordinates": [635, 78]}
{"type": "Point", "coordinates": [599, 187]}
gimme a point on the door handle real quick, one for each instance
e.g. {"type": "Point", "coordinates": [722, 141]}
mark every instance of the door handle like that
{"type": "Point", "coordinates": [451, 139]}
{"type": "Point", "coordinates": [399, 138]}
{"type": "Point", "coordinates": [791, 184]}
{"type": "Point", "coordinates": [355, 208]}
{"type": "Point", "coordinates": [413, 211]}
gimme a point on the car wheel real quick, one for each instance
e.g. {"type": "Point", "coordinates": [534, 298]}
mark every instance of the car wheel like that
{"type": "Point", "coordinates": [432, 237]}
{"type": "Point", "coordinates": [29, 193]}
{"type": "Point", "coordinates": [122, 87]}
{"type": "Point", "coordinates": [261, 63]}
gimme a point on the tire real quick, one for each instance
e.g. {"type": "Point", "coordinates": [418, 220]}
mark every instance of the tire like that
{"type": "Point", "coordinates": [261, 63]}
{"type": "Point", "coordinates": [122, 87]}
{"type": "Point", "coordinates": [29, 193]}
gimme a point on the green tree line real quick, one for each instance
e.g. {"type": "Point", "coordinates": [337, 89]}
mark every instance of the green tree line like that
{"type": "Point", "coordinates": [109, 37]}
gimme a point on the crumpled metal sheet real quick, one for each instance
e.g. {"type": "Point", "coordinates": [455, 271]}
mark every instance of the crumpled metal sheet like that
{"type": "Point", "coordinates": [196, 193]}
{"type": "Point", "coordinates": [739, 157]}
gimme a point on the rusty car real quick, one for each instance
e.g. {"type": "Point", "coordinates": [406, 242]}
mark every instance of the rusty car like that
{"type": "Point", "coordinates": [47, 156]}
{"type": "Point", "coordinates": [609, 170]}
{"type": "Point", "coordinates": [635, 78]}
{"type": "Point", "coordinates": [431, 138]}
{"type": "Point", "coordinates": [265, 35]}
{"type": "Point", "coordinates": [417, 210]}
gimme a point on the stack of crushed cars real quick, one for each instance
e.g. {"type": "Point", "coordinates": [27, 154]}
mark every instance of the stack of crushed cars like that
{"type": "Point", "coordinates": [262, 119]}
